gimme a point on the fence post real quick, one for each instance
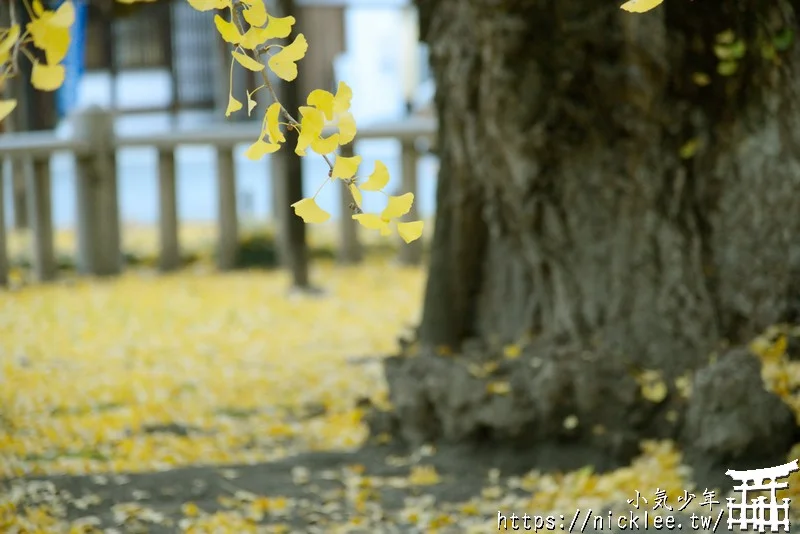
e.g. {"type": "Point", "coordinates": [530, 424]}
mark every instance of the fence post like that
{"type": "Point", "coordinates": [19, 168]}
{"type": "Point", "coordinates": [280, 209]}
{"type": "Point", "coordinates": [3, 244]}
{"type": "Point", "coordinates": [99, 250]}
{"type": "Point", "coordinates": [410, 253]}
{"type": "Point", "coordinates": [227, 244]}
{"type": "Point", "coordinates": [41, 220]}
{"type": "Point", "coordinates": [169, 255]}
{"type": "Point", "coordinates": [350, 251]}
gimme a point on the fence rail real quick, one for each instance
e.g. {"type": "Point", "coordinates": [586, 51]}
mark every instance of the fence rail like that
{"type": "Point", "coordinates": [94, 145]}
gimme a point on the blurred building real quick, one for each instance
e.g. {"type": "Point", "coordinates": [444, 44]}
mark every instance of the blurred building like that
{"type": "Point", "coordinates": [171, 38]}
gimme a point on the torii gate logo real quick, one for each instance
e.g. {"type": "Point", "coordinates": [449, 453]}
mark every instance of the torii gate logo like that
{"type": "Point", "coordinates": [760, 514]}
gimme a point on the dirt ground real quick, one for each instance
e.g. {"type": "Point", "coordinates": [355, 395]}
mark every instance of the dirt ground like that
{"type": "Point", "coordinates": [314, 492]}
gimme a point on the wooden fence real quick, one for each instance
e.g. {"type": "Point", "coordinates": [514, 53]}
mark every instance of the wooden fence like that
{"type": "Point", "coordinates": [94, 146]}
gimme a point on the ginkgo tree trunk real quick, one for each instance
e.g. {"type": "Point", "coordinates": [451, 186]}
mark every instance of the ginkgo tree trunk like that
{"type": "Point", "coordinates": [618, 198]}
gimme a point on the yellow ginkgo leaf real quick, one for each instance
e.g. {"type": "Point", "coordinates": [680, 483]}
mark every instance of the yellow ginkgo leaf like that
{"type": "Point", "coordinates": [208, 5]}
{"type": "Point", "coordinates": [190, 509]}
{"type": "Point", "coordinates": [64, 16]}
{"type": "Point", "coordinates": [410, 231]}
{"type": "Point", "coordinates": [341, 101]}
{"type": "Point", "coordinates": [6, 107]}
{"type": "Point", "coordinates": [423, 475]}
{"type": "Point", "coordinates": [776, 350]}
{"type": "Point", "coordinates": [345, 167]}
{"type": "Point", "coordinates": [652, 386]}
{"type": "Point", "coordinates": [38, 7]}
{"type": "Point", "coordinates": [356, 194]}
{"type": "Point", "coordinates": [259, 149]}
{"type": "Point", "coordinates": [325, 146]}
{"type": "Point", "coordinates": [378, 179]}
{"type": "Point", "coordinates": [228, 30]}
{"type": "Point", "coordinates": [54, 40]}
{"type": "Point", "coordinates": [283, 63]}
{"type": "Point", "coordinates": [247, 62]}
{"type": "Point", "coordinates": [655, 392]}
{"type": "Point", "coordinates": [47, 77]}
{"type": "Point", "coordinates": [323, 101]}
{"type": "Point", "coordinates": [233, 106]}
{"type": "Point", "coordinates": [640, 6]}
{"type": "Point", "coordinates": [370, 221]}
{"type": "Point", "coordinates": [512, 351]}
{"type": "Point", "coordinates": [7, 42]}
{"type": "Point", "coordinates": [273, 123]}
{"type": "Point", "coordinates": [498, 388]}
{"type": "Point", "coordinates": [397, 206]}
{"type": "Point", "coordinates": [311, 125]}
{"type": "Point", "coordinates": [279, 27]}
{"type": "Point", "coordinates": [310, 212]}
{"type": "Point", "coordinates": [256, 13]}
{"type": "Point", "coordinates": [253, 38]}
{"type": "Point", "coordinates": [347, 128]}
{"type": "Point", "coordinates": [251, 103]}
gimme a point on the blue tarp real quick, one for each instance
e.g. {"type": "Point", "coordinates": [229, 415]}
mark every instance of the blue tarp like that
{"type": "Point", "coordinates": [67, 96]}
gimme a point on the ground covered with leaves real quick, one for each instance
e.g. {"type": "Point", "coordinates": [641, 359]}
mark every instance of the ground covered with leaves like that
{"type": "Point", "coordinates": [205, 402]}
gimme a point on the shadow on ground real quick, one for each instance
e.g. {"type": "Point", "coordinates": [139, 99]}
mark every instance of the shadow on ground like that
{"type": "Point", "coordinates": [369, 490]}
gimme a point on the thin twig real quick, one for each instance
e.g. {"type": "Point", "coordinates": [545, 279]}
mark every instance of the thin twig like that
{"type": "Point", "coordinates": [256, 54]}
{"type": "Point", "coordinates": [12, 15]}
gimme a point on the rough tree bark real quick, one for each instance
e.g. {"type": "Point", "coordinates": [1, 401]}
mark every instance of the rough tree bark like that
{"type": "Point", "coordinates": [568, 220]}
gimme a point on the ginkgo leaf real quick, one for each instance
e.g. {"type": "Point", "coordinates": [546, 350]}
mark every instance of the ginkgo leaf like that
{"type": "Point", "coordinates": [208, 5]}
{"type": "Point", "coordinates": [259, 149]}
{"type": "Point", "coordinates": [655, 392]}
{"type": "Point", "coordinates": [310, 212]}
{"type": "Point", "coordinates": [190, 509]}
{"type": "Point", "coordinates": [498, 388]}
{"type": "Point", "coordinates": [7, 43]}
{"type": "Point", "coordinates": [398, 206]}
{"type": "Point", "coordinates": [47, 77]}
{"type": "Point", "coordinates": [356, 194]}
{"type": "Point", "coordinates": [347, 128]}
{"type": "Point", "coordinates": [228, 30]}
{"type": "Point", "coordinates": [6, 107]}
{"type": "Point", "coordinates": [247, 62]}
{"type": "Point", "coordinates": [256, 13]}
{"type": "Point", "coordinates": [410, 231]}
{"type": "Point", "coordinates": [253, 37]}
{"type": "Point", "coordinates": [251, 103]}
{"type": "Point", "coordinates": [283, 63]}
{"type": "Point", "coordinates": [279, 27]}
{"type": "Point", "coordinates": [273, 123]}
{"type": "Point", "coordinates": [323, 101]}
{"type": "Point", "coordinates": [640, 6]}
{"type": "Point", "coordinates": [370, 221]}
{"type": "Point", "coordinates": [311, 125]}
{"type": "Point", "coordinates": [378, 179]}
{"type": "Point", "coordinates": [341, 101]}
{"type": "Point", "coordinates": [423, 475]}
{"type": "Point", "coordinates": [233, 106]}
{"type": "Point", "coordinates": [64, 16]}
{"type": "Point", "coordinates": [52, 39]}
{"type": "Point", "coordinates": [345, 167]}
{"type": "Point", "coordinates": [325, 146]}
